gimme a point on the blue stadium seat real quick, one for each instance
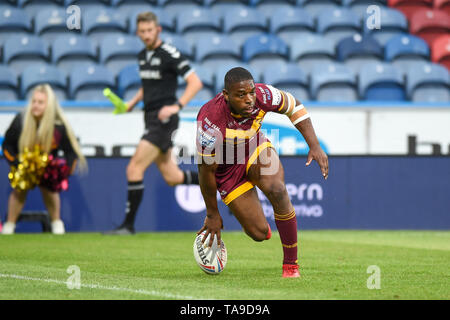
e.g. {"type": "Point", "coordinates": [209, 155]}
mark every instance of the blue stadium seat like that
{"type": "Point", "coordinates": [333, 82]}
{"type": "Point", "coordinates": [358, 50]}
{"type": "Point", "coordinates": [68, 51]}
{"type": "Point", "coordinates": [337, 24]}
{"type": "Point", "coordinates": [178, 7]}
{"type": "Point", "coordinates": [240, 24]}
{"type": "Point", "coordinates": [288, 77]}
{"type": "Point", "coordinates": [381, 81]}
{"type": "Point", "coordinates": [87, 4]}
{"type": "Point", "coordinates": [50, 23]}
{"type": "Point", "coordinates": [129, 81]}
{"type": "Point", "coordinates": [428, 82]}
{"type": "Point", "coordinates": [116, 52]}
{"type": "Point", "coordinates": [207, 78]}
{"type": "Point", "coordinates": [315, 7]}
{"type": "Point", "coordinates": [130, 6]}
{"type": "Point", "coordinates": [32, 7]}
{"type": "Point", "coordinates": [222, 70]}
{"type": "Point", "coordinates": [405, 50]}
{"type": "Point", "coordinates": [99, 23]}
{"type": "Point", "coordinates": [392, 22]}
{"type": "Point", "coordinates": [289, 23]}
{"type": "Point", "coordinates": [13, 22]}
{"type": "Point", "coordinates": [22, 50]}
{"type": "Point", "coordinates": [197, 24]}
{"type": "Point", "coordinates": [87, 82]}
{"type": "Point", "coordinates": [43, 73]}
{"type": "Point", "coordinates": [8, 84]}
{"type": "Point", "coordinates": [212, 3]}
{"type": "Point", "coordinates": [262, 49]}
{"type": "Point", "coordinates": [166, 21]}
{"type": "Point", "coordinates": [268, 7]}
{"type": "Point", "coordinates": [214, 51]}
{"type": "Point", "coordinates": [310, 50]}
{"type": "Point", "coordinates": [360, 6]}
{"type": "Point", "coordinates": [185, 48]}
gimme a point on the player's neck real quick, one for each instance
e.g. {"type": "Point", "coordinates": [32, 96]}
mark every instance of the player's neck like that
{"type": "Point", "coordinates": [155, 45]}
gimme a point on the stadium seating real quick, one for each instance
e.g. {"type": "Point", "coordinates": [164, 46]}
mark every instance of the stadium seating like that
{"type": "Point", "coordinates": [288, 77]}
{"type": "Point", "coordinates": [33, 7]}
{"type": "Point", "coordinates": [267, 8]}
{"type": "Point", "coordinates": [381, 81]}
{"type": "Point", "coordinates": [410, 7]}
{"type": "Point", "coordinates": [310, 50]}
{"type": "Point", "coordinates": [13, 21]}
{"type": "Point", "coordinates": [315, 7]}
{"type": "Point", "coordinates": [240, 24]}
{"type": "Point", "coordinates": [429, 24]}
{"type": "Point", "coordinates": [207, 77]}
{"type": "Point", "coordinates": [428, 82]}
{"type": "Point", "coordinates": [99, 23]}
{"type": "Point", "coordinates": [333, 82]}
{"type": "Point", "coordinates": [23, 50]}
{"type": "Point", "coordinates": [197, 24]}
{"type": "Point", "coordinates": [290, 23]}
{"type": "Point", "coordinates": [263, 49]}
{"type": "Point", "coordinates": [392, 22]}
{"type": "Point", "coordinates": [117, 52]}
{"type": "Point", "coordinates": [129, 81]}
{"type": "Point", "coordinates": [360, 6]}
{"type": "Point", "coordinates": [443, 5]}
{"type": "Point", "coordinates": [50, 23]}
{"type": "Point", "coordinates": [87, 81]}
{"type": "Point", "coordinates": [8, 84]}
{"type": "Point", "coordinates": [214, 51]}
{"type": "Point", "coordinates": [441, 51]}
{"type": "Point", "coordinates": [43, 73]}
{"type": "Point", "coordinates": [404, 51]}
{"type": "Point", "coordinates": [358, 50]}
{"type": "Point", "coordinates": [180, 43]}
{"type": "Point", "coordinates": [336, 24]}
{"type": "Point", "coordinates": [68, 51]}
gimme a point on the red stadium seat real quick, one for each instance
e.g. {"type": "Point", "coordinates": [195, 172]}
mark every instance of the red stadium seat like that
{"type": "Point", "coordinates": [429, 24]}
{"type": "Point", "coordinates": [443, 5]}
{"type": "Point", "coordinates": [409, 7]}
{"type": "Point", "coordinates": [441, 51]}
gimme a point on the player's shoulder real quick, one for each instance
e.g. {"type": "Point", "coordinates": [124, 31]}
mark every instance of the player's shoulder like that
{"type": "Point", "coordinates": [213, 112]}
{"type": "Point", "coordinates": [268, 95]}
{"type": "Point", "coordinates": [169, 50]}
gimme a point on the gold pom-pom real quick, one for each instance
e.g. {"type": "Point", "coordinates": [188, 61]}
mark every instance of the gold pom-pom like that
{"type": "Point", "coordinates": [30, 169]}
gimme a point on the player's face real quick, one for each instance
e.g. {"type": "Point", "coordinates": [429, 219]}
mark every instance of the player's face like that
{"type": "Point", "coordinates": [38, 104]}
{"type": "Point", "coordinates": [149, 33]}
{"type": "Point", "coordinates": [241, 97]}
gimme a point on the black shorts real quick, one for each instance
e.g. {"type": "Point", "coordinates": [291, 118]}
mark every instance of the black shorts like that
{"type": "Point", "coordinates": [158, 133]}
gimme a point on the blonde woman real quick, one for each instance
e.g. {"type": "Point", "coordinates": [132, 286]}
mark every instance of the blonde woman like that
{"type": "Point", "coordinates": [42, 123]}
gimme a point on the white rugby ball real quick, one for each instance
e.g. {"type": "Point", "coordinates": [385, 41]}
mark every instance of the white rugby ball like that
{"type": "Point", "coordinates": [212, 260]}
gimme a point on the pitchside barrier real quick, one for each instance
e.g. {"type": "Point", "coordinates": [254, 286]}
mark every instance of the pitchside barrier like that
{"type": "Point", "coordinates": [389, 169]}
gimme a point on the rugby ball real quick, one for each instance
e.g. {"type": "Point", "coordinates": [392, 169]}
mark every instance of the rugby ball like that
{"type": "Point", "coordinates": [212, 260]}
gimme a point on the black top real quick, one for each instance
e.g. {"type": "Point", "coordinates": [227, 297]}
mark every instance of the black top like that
{"type": "Point", "coordinates": [159, 70]}
{"type": "Point", "coordinates": [60, 142]}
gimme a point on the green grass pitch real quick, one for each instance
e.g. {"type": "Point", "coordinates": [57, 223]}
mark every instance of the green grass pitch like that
{"type": "Point", "coordinates": [334, 265]}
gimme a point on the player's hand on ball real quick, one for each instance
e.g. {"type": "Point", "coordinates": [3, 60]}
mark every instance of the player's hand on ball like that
{"type": "Point", "coordinates": [322, 159]}
{"type": "Point", "coordinates": [212, 225]}
{"type": "Point", "coordinates": [166, 112]}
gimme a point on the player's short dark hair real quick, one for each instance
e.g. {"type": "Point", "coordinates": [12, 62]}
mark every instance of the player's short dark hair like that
{"type": "Point", "coordinates": [237, 74]}
{"type": "Point", "coordinates": [146, 16]}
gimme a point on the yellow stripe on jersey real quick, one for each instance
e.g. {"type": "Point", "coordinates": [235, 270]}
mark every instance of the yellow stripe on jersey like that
{"type": "Point", "coordinates": [231, 134]}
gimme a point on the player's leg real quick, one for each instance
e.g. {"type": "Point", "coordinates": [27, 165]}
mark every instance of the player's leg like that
{"type": "Point", "coordinates": [248, 211]}
{"type": "Point", "coordinates": [145, 154]}
{"type": "Point", "coordinates": [267, 173]}
{"type": "Point", "coordinates": [52, 202]}
{"type": "Point", "coordinates": [16, 203]}
{"type": "Point", "coordinates": [170, 171]}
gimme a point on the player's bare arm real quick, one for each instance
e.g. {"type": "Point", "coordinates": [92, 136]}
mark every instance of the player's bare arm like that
{"type": "Point", "coordinates": [135, 100]}
{"type": "Point", "coordinates": [299, 117]}
{"type": "Point", "coordinates": [193, 86]}
{"type": "Point", "coordinates": [213, 221]}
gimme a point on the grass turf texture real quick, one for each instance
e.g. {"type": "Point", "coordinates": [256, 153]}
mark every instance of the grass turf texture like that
{"type": "Point", "coordinates": [413, 264]}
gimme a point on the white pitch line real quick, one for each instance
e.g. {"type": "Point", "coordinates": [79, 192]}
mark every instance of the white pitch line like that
{"type": "Point", "coordinates": [97, 286]}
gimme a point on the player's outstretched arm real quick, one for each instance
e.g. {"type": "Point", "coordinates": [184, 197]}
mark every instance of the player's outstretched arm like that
{"type": "Point", "coordinates": [213, 221]}
{"type": "Point", "coordinates": [299, 117]}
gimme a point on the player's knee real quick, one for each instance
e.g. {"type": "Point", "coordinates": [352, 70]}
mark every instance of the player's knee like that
{"type": "Point", "coordinates": [276, 191]}
{"type": "Point", "coordinates": [258, 234]}
{"type": "Point", "coordinates": [134, 172]}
